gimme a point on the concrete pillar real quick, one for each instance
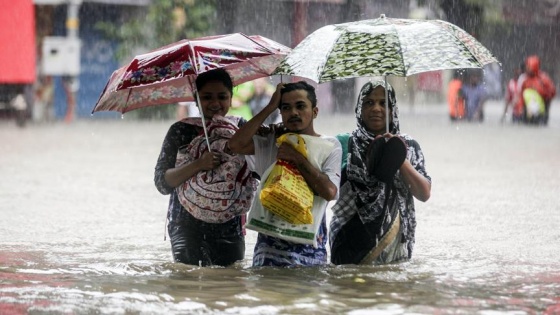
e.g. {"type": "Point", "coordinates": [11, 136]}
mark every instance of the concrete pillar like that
{"type": "Point", "coordinates": [71, 82]}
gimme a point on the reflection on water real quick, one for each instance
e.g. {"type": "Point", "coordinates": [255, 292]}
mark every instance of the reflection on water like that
{"type": "Point", "coordinates": [421, 286]}
{"type": "Point", "coordinates": [82, 229]}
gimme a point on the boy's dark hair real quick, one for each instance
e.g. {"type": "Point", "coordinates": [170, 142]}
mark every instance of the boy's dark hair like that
{"type": "Point", "coordinates": [214, 75]}
{"type": "Point", "coordinates": [302, 85]}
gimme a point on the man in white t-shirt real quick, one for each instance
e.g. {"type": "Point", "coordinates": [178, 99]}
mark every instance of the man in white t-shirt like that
{"type": "Point", "coordinates": [298, 108]}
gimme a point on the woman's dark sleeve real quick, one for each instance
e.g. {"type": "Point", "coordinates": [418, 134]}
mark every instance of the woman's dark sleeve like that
{"type": "Point", "coordinates": [174, 139]}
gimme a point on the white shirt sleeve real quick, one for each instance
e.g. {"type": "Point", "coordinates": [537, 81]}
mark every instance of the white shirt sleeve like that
{"type": "Point", "coordinates": [331, 166]}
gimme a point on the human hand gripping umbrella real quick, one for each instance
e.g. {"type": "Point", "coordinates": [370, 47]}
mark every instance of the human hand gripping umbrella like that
{"type": "Point", "coordinates": [167, 75]}
{"type": "Point", "coordinates": [382, 47]}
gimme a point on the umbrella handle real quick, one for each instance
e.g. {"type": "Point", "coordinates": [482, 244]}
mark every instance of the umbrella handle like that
{"type": "Point", "coordinates": [386, 104]}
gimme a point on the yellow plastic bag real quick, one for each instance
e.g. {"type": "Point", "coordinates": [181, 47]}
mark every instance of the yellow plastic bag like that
{"type": "Point", "coordinates": [285, 192]}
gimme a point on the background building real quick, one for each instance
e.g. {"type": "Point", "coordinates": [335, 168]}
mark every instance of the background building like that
{"type": "Point", "coordinates": [511, 29]}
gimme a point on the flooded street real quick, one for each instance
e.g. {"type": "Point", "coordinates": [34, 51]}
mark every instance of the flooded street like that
{"type": "Point", "coordinates": [82, 229]}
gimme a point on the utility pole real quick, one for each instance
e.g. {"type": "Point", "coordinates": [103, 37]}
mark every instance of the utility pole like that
{"type": "Point", "coordinates": [71, 82]}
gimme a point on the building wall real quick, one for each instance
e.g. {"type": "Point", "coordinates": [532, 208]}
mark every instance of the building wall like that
{"type": "Point", "coordinates": [513, 42]}
{"type": "Point", "coordinates": [288, 22]}
{"type": "Point", "coordinates": [97, 60]}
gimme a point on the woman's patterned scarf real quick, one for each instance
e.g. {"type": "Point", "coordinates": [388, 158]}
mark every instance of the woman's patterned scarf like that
{"type": "Point", "coordinates": [221, 194]}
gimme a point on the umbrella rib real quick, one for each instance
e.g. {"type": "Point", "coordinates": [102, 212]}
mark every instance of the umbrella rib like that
{"type": "Point", "coordinates": [400, 52]}
{"type": "Point", "coordinates": [463, 43]}
{"type": "Point", "coordinates": [259, 44]}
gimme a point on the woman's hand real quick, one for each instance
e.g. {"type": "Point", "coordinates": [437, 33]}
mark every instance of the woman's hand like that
{"type": "Point", "coordinates": [178, 175]}
{"type": "Point", "coordinates": [209, 161]}
{"type": "Point", "coordinates": [387, 136]}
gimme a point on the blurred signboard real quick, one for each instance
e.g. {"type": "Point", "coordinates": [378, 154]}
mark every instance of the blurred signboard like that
{"type": "Point", "coordinates": [61, 56]}
{"type": "Point", "coordinates": [319, 1]}
{"type": "Point", "coordinates": [17, 38]}
{"type": "Point", "coordinates": [116, 2]}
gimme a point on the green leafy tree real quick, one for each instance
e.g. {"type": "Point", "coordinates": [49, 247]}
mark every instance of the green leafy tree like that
{"type": "Point", "coordinates": [161, 23]}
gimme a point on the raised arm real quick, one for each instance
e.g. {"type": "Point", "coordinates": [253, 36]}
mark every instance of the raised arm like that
{"type": "Point", "coordinates": [242, 141]}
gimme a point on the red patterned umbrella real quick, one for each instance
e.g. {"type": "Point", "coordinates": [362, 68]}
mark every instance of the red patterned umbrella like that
{"type": "Point", "coordinates": [167, 74]}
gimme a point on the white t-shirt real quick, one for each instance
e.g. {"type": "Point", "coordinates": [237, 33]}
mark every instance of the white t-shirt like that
{"type": "Point", "coordinates": [324, 153]}
{"type": "Point", "coordinates": [266, 151]}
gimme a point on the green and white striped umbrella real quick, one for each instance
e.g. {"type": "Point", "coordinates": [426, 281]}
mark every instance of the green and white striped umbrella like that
{"type": "Point", "coordinates": [381, 47]}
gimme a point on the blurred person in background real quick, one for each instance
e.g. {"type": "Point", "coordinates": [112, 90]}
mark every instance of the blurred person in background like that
{"type": "Point", "coordinates": [240, 100]}
{"type": "Point", "coordinates": [474, 94]}
{"type": "Point", "coordinates": [517, 111]}
{"type": "Point", "coordinates": [455, 101]}
{"type": "Point", "coordinates": [535, 91]}
{"type": "Point", "coordinates": [492, 77]}
{"type": "Point", "coordinates": [262, 92]}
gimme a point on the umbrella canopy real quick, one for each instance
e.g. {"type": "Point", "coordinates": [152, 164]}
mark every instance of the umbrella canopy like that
{"type": "Point", "coordinates": [167, 74]}
{"type": "Point", "coordinates": [381, 47]}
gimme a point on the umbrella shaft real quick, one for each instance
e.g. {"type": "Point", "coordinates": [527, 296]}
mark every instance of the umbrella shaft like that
{"type": "Point", "coordinates": [203, 120]}
{"type": "Point", "coordinates": [386, 105]}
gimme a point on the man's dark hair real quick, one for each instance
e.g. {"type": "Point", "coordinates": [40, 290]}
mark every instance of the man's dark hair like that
{"type": "Point", "coordinates": [214, 75]}
{"type": "Point", "coordinates": [301, 85]}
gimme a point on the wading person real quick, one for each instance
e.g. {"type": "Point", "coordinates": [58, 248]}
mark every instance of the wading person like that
{"type": "Point", "coordinates": [374, 218]}
{"type": "Point", "coordinates": [205, 224]}
{"type": "Point", "coordinates": [474, 95]}
{"type": "Point", "coordinates": [511, 91]}
{"type": "Point", "coordinates": [298, 108]}
{"type": "Point", "coordinates": [535, 91]}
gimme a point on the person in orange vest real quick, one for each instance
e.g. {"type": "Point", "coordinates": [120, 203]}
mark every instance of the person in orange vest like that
{"type": "Point", "coordinates": [455, 100]}
{"type": "Point", "coordinates": [535, 91]}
